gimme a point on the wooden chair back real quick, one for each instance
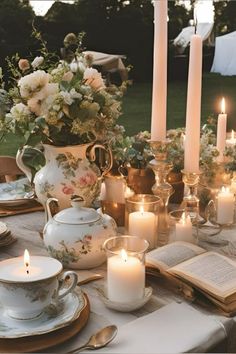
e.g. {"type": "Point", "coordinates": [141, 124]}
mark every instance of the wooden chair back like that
{"type": "Point", "coordinates": [9, 171]}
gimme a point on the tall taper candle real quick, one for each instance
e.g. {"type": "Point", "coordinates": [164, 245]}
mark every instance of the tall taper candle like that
{"type": "Point", "coordinates": [193, 112]}
{"type": "Point", "coordinates": [159, 89]}
{"type": "Point", "coordinates": [221, 132]}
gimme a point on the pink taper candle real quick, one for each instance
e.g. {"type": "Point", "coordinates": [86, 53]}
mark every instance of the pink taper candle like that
{"type": "Point", "coordinates": [159, 89]}
{"type": "Point", "coordinates": [221, 132]}
{"type": "Point", "coordinates": [193, 114]}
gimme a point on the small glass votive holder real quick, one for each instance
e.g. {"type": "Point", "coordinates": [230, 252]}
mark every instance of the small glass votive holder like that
{"type": "Point", "coordinates": [141, 217]}
{"type": "Point", "coordinates": [181, 228]}
{"type": "Point", "coordinates": [221, 209]}
{"type": "Point", "coordinates": [125, 268]}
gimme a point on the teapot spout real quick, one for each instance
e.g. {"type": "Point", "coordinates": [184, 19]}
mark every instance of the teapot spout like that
{"type": "Point", "coordinates": [48, 208]}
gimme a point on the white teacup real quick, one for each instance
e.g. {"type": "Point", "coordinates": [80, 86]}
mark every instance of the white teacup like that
{"type": "Point", "coordinates": [26, 291]}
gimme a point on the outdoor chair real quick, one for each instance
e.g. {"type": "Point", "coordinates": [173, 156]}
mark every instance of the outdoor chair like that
{"type": "Point", "coordinates": [9, 171]}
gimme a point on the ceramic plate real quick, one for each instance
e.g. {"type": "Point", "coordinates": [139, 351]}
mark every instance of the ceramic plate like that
{"type": "Point", "coordinates": [127, 307]}
{"type": "Point", "coordinates": [15, 193]}
{"type": "Point", "coordinates": [54, 317]}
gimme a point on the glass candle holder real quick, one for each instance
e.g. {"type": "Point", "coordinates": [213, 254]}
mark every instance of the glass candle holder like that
{"type": "Point", "coordinates": [221, 209]}
{"type": "Point", "coordinates": [141, 217]}
{"type": "Point", "coordinates": [125, 268]}
{"type": "Point", "coordinates": [181, 228]}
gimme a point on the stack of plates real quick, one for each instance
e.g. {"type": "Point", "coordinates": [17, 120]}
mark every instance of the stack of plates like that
{"type": "Point", "coordinates": [55, 325]}
{"type": "Point", "coordinates": [6, 237]}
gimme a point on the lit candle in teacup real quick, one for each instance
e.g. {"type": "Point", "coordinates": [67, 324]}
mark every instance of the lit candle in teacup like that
{"type": "Point", "coordinates": [125, 278]}
{"type": "Point", "coordinates": [232, 141]}
{"type": "Point", "coordinates": [225, 206]}
{"type": "Point", "coordinates": [184, 230]}
{"type": "Point", "coordinates": [28, 284]}
{"type": "Point", "coordinates": [144, 225]}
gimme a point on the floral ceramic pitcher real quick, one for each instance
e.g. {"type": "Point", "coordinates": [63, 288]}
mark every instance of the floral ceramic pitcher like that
{"type": "Point", "coordinates": [68, 171]}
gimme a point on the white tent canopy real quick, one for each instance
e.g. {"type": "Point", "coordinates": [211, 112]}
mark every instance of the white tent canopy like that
{"type": "Point", "coordinates": [110, 63]}
{"type": "Point", "coordinates": [183, 39]}
{"type": "Point", "coordinates": [224, 61]}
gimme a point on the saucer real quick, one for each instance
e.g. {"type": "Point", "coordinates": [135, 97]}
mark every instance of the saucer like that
{"type": "Point", "coordinates": [134, 305]}
{"type": "Point", "coordinates": [53, 318]}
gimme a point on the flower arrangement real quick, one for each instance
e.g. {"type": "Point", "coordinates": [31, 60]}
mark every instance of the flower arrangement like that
{"type": "Point", "coordinates": [60, 102]}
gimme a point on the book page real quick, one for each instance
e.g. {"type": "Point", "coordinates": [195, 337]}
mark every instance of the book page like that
{"type": "Point", "coordinates": [170, 255]}
{"type": "Point", "coordinates": [210, 271]}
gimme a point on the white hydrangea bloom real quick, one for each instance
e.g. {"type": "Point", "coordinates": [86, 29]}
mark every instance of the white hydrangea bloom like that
{"type": "Point", "coordinates": [20, 112]}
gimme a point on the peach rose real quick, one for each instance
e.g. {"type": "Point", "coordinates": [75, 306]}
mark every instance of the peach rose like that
{"type": "Point", "coordinates": [23, 64]}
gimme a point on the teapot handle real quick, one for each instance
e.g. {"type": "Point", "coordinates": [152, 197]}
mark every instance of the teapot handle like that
{"type": "Point", "coordinates": [92, 157]}
{"type": "Point", "coordinates": [48, 209]}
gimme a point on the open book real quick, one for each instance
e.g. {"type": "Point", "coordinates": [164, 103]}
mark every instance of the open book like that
{"type": "Point", "coordinates": [211, 273]}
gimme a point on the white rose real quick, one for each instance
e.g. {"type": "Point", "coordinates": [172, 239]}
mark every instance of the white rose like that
{"type": "Point", "coordinates": [94, 79]}
{"type": "Point", "coordinates": [77, 65]}
{"type": "Point", "coordinates": [20, 112]}
{"type": "Point", "coordinates": [37, 62]}
{"type": "Point", "coordinates": [36, 104]}
{"type": "Point", "coordinates": [32, 83]}
{"type": "Point", "coordinates": [74, 66]}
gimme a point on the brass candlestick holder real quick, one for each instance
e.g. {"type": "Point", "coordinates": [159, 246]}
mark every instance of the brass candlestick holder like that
{"type": "Point", "coordinates": [161, 168]}
{"type": "Point", "coordinates": [191, 200]}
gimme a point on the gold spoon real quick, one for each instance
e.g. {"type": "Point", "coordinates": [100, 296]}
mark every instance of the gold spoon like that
{"type": "Point", "coordinates": [98, 340]}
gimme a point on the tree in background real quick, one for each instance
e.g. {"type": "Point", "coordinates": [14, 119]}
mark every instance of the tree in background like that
{"type": "Point", "coordinates": [112, 26]}
{"type": "Point", "coordinates": [15, 27]}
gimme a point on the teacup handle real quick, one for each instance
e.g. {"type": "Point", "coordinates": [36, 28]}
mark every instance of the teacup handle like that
{"type": "Point", "coordinates": [64, 277]}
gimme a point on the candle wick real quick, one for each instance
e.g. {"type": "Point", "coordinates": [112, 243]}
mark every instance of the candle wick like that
{"type": "Point", "coordinates": [195, 30]}
{"type": "Point", "coordinates": [27, 271]}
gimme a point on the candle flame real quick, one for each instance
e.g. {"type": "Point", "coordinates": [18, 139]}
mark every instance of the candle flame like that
{"type": "Point", "coordinates": [26, 258]}
{"type": "Point", "coordinates": [142, 209]}
{"type": "Point", "coordinates": [223, 106]}
{"type": "Point", "coordinates": [185, 218]}
{"type": "Point", "coordinates": [225, 189]}
{"type": "Point", "coordinates": [124, 255]}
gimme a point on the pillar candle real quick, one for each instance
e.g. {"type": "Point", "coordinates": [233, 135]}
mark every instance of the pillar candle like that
{"type": "Point", "coordinates": [221, 132]}
{"type": "Point", "coordinates": [184, 230]}
{"type": "Point", "coordinates": [193, 112]}
{"type": "Point", "coordinates": [225, 206]}
{"type": "Point", "coordinates": [144, 225]}
{"type": "Point", "coordinates": [125, 278]}
{"type": "Point", "coordinates": [159, 89]}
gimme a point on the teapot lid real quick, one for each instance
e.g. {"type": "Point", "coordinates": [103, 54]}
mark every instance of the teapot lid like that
{"type": "Point", "coordinates": [77, 215]}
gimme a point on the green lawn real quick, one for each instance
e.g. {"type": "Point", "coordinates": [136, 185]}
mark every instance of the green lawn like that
{"type": "Point", "coordinates": [137, 103]}
{"type": "Point", "coordinates": [137, 106]}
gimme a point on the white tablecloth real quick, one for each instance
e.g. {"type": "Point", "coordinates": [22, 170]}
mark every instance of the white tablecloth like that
{"type": "Point", "coordinates": [167, 323]}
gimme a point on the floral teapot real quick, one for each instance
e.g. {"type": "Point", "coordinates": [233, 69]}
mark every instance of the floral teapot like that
{"type": "Point", "coordinates": [69, 170]}
{"type": "Point", "coordinates": [75, 235]}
